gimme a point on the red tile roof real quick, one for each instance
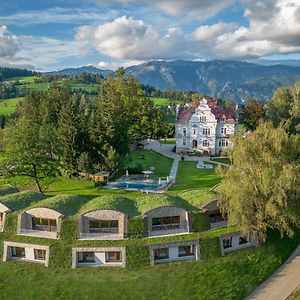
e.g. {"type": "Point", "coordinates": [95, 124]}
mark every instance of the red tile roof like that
{"type": "Point", "coordinates": [216, 109]}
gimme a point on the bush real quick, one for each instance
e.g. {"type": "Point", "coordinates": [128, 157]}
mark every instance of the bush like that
{"type": "Point", "coordinates": [199, 222]}
{"type": "Point", "coordinates": [136, 227]}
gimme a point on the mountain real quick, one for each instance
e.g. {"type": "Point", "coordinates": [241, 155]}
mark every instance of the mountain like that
{"type": "Point", "coordinates": [225, 79]}
{"type": "Point", "coordinates": [272, 62]}
{"type": "Point", "coordinates": [84, 69]}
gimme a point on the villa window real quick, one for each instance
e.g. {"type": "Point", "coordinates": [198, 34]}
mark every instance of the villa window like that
{"type": "Point", "coordinates": [39, 254]}
{"type": "Point", "coordinates": [18, 252]}
{"type": "Point", "coordinates": [223, 130]}
{"type": "Point", "coordinates": [104, 226]}
{"type": "Point", "coordinates": [166, 223]}
{"type": "Point", "coordinates": [202, 118]}
{"type": "Point", "coordinates": [184, 131]}
{"type": "Point", "coordinates": [184, 142]}
{"type": "Point", "coordinates": [206, 131]}
{"type": "Point", "coordinates": [194, 131]}
{"type": "Point", "coordinates": [223, 143]}
{"type": "Point", "coordinates": [86, 257]}
{"type": "Point", "coordinates": [243, 240]}
{"type": "Point", "coordinates": [222, 119]}
{"type": "Point", "coordinates": [227, 243]}
{"type": "Point", "coordinates": [43, 224]}
{"type": "Point", "coordinates": [113, 256]}
{"type": "Point", "coordinates": [187, 250]}
{"type": "Point", "coordinates": [161, 253]}
{"type": "Point", "coordinates": [205, 143]}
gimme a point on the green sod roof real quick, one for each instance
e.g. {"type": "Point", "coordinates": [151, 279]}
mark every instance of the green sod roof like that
{"type": "Point", "coordinates": [65, 204]}
{"type": "Point", "coordinates": [21, 200]}
{"type": "Point", "coordinates": [151, 201]}
{"type": "Point", "coordinates": [7, 189]}
{"type": "Point", "coordinates": [114, 202]}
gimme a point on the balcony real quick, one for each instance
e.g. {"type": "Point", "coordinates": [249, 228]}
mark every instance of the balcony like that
{"type": "Point", "coordinates": [53, 234]}
{"type": "Point", "coordinates": [166, 227]}
{"type": "Point", "coordinates": [100, 236]}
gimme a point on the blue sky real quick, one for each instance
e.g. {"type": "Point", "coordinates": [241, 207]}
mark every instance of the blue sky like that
{"type": "Point", "coordinates": [49, 35]}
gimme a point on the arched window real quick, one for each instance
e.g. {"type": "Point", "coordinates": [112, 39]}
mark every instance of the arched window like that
{"type": "Point", "coordinates": [223, 143]}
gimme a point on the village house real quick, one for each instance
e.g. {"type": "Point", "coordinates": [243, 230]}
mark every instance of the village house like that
{"type": "Point", "coordinates": [205, 127]}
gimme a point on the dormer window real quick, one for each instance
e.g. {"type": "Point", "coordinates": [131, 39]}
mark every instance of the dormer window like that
{"type": "Point", "coordinates": [223, 119]}
{"type": "Point", "coordinates": [202, 118]}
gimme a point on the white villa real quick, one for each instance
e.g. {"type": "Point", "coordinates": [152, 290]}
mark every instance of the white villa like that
{"type": "Point", "coordinates": [205, 127]}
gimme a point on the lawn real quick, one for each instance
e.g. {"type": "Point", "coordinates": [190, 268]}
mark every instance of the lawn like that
{"type": "Point", "coordinates": [8, 106]}
{"type": "Point", "coordinates": [147, 159]}
{"type": "Point", "coordinates": [223, 160]}
{"type": "Point", "coordinates": [165, 101]}
{"type": "Point", "coordinates": [26, 79]}
{"type": "Point", "coordinates": [168, 141]}
{"type": "Point", "coordinates": [189, 177]}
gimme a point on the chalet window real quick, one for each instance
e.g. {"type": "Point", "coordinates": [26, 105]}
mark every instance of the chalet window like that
{"type": "Point", "coordinates": [223, 143]}
{"type": "Point", "coordinates": [113, 256]}
{"type": "Point", "coordinates": [184, 142]}
{"type": "Point", "coordinates": [86, 257]}
{"type": "Point", "coordinates": [39, 254]}
{"type": "Point", "coordinates": [205, 143]}
{"type": "Point", "coordinates": [166, 223]}
{"type": "Point", "coordinates": [206, 131]}
{"type": "Point", "coordinates": [184, 131]}
{"type": "Point", "coordinates": [202, 118]}
{"type": "Point", "coordinates": [104, 226]}
{"type": "Point", "coordinates": [43, 224]}
{"type": "Point", "coordinates": [227, 243]}
{"type": "Point", "coordinates": [161, 253]}
{"type": "Point", "coordinates": [17, 252]}
{"type": "Point", "coordinates": [216, 217]}
{"type": "Point", "coordinates": [187, 250]}
{"type": "Point", "coordinates": [243, 240]}
{"type": "Point", "coordinates": [223, 130]}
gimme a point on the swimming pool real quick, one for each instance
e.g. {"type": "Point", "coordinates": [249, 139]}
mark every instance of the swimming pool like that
{"type": "Point", "coordinates": [138, 186]}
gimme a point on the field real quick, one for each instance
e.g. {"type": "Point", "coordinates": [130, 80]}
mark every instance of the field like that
{"type": "Point", "coordinates": [232, 277]}
{"type": "Point", "coordinates": [165, 101]}
{"type": "Point", "coordinates": [8, 106]}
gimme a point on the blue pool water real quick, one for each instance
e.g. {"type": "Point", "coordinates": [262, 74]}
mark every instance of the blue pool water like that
{"type": "Point", "coordinates": [137, 186]}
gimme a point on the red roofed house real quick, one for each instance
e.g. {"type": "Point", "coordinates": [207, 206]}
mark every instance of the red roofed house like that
{"type": "Point", "coordinates": [205, 127]}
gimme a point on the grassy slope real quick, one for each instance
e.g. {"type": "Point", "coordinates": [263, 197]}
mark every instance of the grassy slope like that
{"type": "Point", "coordinates": [231, 277]}
{"type": "Point", "coordinates": [165, 101]}
{"type": "Point", "coordinates": [8, 106]}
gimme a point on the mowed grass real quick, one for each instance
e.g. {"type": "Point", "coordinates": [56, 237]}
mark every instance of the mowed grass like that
{"type": "Point", "coordinates": [147, 159]}
{"type": "Point", "coordinates": [25, 79]}
{"type": "Point", "coordinates": [8, 106]}
{"type": "Point", "coordinates": [189, 176]}
{"type": "Point", "coordinates": [165, 101]}
{"type": "Point", "coordinates": [168, 141]}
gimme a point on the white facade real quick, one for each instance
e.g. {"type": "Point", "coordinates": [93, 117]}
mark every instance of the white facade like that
{"type": "Point", "coordinates": [26, 252]}
{"type": "Point", "coordinates": [177, 251]}
{"type": "Point", "coordinates": [235, 241]}
{"type": "Point", "coordinates": [206, 128]}
{"type": "Point", "coordinates": [99, 257]}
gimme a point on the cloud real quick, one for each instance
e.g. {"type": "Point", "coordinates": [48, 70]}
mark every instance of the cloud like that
{"type": "Point", "coordinates": [114, 65]}
{"type": "Point", "coordinates": [59, 15]}
{"type": "Point", "coordinates": [8, 43]}
{"type": "Point", "coordinates": [195, 9]}
{"type": "Point", "coordinates": [130, 39]}
{"type": "Point", "coordinates": [274, 28]}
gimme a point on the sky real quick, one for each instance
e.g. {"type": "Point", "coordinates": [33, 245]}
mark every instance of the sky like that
{"type": "Point", "coordinates": [52, 35]}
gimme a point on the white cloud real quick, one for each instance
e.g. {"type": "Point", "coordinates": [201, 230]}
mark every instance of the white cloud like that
{"type": "Point", "coordinates": [130, 39]}
{"type": "Point", "coordinates": [8, 43]}
{"type": "Point", "coordinates": [59, 15]}
{"type": "Point", "coordinates": [114, 65]}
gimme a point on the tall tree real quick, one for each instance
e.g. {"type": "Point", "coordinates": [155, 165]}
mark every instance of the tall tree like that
{"type": "Point", "coordinates": [252, 114]}
{"type": "Point", "coordinates": [261, 189]}
{"type": "Point", "coordinates": [27, 148]}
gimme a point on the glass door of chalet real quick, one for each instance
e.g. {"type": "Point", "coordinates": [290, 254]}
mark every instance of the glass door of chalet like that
{"type": "Point", "coordinates": [44, 224]}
